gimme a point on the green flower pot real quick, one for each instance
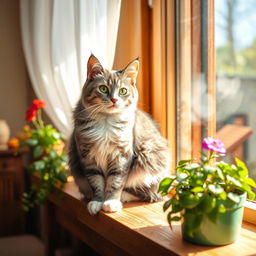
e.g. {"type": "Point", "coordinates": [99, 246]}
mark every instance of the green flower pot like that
{"type": "Point", "coordinates": [225, 231]}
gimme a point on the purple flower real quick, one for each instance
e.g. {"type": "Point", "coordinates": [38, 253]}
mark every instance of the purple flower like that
{"type": "Point", "coordinates": [214, 145]}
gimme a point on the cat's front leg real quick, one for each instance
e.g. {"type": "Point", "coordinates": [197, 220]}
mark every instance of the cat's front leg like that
{"type": "Point", "coordinates": [114, 187]}
{"type": "Point", "coordinates": [96, 181]}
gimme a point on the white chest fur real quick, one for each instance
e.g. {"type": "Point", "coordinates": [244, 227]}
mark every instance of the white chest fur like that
{"type": "Point", "coordinates": [107, 136]}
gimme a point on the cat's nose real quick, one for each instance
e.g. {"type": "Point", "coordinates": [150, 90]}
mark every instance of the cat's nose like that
{"type": "Point", "coordinates": [114, 100]}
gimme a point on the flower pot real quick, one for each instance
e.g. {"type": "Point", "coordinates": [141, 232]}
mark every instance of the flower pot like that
{"type": "Point", "coordinates": [225, 231]}
{"type": "Point", "coordinates": [4, 134]}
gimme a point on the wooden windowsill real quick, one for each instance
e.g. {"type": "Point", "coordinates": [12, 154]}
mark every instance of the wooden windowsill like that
{"type": "Point", "coordinates": [139, 229]}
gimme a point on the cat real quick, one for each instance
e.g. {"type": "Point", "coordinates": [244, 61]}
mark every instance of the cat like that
{"type": "Point", "coordinates": [116, 151]}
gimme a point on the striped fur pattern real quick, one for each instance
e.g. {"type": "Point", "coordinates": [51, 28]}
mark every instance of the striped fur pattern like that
{"type": "Point", "coordinates": [116, 151]}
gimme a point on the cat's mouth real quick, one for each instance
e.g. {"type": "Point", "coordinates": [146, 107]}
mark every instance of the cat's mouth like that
{"type": "Point", "coordinates": [114, 106]}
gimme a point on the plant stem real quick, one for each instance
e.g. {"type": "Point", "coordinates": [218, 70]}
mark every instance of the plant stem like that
{"type": "Point", "coordinates": [40, 121]}
{"type": "Point", "coordinates": [36, 124]}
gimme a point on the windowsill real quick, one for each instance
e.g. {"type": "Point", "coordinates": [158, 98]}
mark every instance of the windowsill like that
{"type": "Point", "coordinates": [250, 212]}
{"type": "Point", "coordinates": [139, 229]}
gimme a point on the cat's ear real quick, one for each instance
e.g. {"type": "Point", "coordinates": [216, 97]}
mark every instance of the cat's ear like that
{"type": "Point", "coordinates": [131, 71]}
{"type": "Point", "coordinates": [93, 67]}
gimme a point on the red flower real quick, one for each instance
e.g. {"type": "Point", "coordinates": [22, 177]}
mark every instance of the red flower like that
{"type": "Point", "coordinates": [31, 114]}
{"type": "Point", "coordinates": [37, 104]}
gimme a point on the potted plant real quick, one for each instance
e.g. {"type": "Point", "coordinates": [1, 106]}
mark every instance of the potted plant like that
{"type": "Point", "coordinates": [49, 159]}
{"type": "Point", "coordinates": [208, 196]}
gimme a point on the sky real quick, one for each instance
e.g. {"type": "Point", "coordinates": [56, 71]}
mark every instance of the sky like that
{"type": "Point", "coordinates": [245, 23]}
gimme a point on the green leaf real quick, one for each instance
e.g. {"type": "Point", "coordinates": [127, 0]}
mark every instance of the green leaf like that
{"type": "Point", "coordinates": [198, 179]}
{"type": "Point", "coordinates": [39, 165]}
{"type": "Point", "coordinates": [208, 204]}
{"type": "Point", "coordinates": [176, 208]}
{"type": "Point", "coordinates": [188, 200]}
{"type": "Point", "coordinates": [181, 177]}
{"type": "Point", "coordinates": [182, 162]}
{"type": "Point", "coordinates": [250, 182]}
{"type": "Point", "coordinates": [197, 189]}
{"type": "Point", "coordinates": [251, 195]}
{"type": "Point", "coordinates": [32, 142]}
{"type": "Point", "coordinates": [63, 177]}
{"type": "Point", "coordinates": [53, 153]}
{"type": "Point", "coordinates": [167, 204]}
{"type": "Point", "coordinates": [215, 189]}
{"type": "Point", "coordinates": [234, 180]}
{"type": "Point", "coordinates": [56, 135]}
{"type": "Point", "coordinates": [246, 187]}
{"type": "Point", "coordinates": [209, 169]}
{"type": "Point", "coordinates": [220, 173]}
{"type": "Point", "coordinates": [192, 166]}
{"type": "Point", "coordinates": [221, 208]}
{"type": "Point", "coordinates": [244, 171]}
{"type": "Point", "coordinates": [46, 176]}
{"type": "Point", "coordinates": [223, 195]}
{"type": "Point", "coordinates": [234, 197]}
{"type": "Point", "coordinates": [25, 208]}
{"type": "Point", "coordinates": [38, 151]}
{"type": "Point", "coordinates": [64, 158]}
{"type": "Point", "coordinates": [164, 185]}
{"type": "Point", "coordinates": [170, 218]}
{"type": "Point", "coordinates": [175, 218]}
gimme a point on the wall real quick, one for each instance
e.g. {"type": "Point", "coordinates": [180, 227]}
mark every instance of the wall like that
{"type": "Point", "coordinates": [14, 81]}
{"type": "Point", "coordinates": [133, 42]}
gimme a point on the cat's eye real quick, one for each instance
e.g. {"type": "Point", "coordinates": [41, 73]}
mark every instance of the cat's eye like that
{"type": "Point", "coordinates": [123, 91]}
{"type": "Point", "coordinates": [103, 89]}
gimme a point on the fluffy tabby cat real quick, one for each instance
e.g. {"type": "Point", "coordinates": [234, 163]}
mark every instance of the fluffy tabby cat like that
{"type": "Point", "coordinates": [116, 151]}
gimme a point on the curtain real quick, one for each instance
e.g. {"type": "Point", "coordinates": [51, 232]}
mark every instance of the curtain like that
{"type": "Point", "coordinates": [58, 37]}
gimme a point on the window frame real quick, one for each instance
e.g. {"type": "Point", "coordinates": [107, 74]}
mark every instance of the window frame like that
{"type": "Point", "coordinates": [168, 61]}
{"type": "Point", "coordinates": [189, 65]}
{"type": "Point", "coordinates": [163, 70]}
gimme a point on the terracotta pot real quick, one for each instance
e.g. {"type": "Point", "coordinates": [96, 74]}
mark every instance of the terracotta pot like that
{"type": "Point", "coordinates": [4, 134]}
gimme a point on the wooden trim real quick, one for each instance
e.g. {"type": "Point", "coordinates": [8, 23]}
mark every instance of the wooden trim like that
{"type": "Point", "coordinates": [163, 76]}
{"type": "Point", "coordinates": [250, 212]}
{"type": "Point", "coordinates": [196, 75]}
{"type": "Point", "coordinates": [185, 117]}
{"type": "Point", "coordinates": [171, 79]}
{"type": "Point", "coordinates": [233, 136]}
{"type": "Point", "coordinates": [158, 71]}
{"type": "Point", "coordinates": [211, 69]}
{"type": "Point", "coordinates": [196, 78]}
{"type": "Point", "coordinates": [145, 57]}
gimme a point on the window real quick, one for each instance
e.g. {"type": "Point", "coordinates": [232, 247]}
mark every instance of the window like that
{"type": "Point", "coordinates": [180, 81]}
{"type": "Point", "coordinates": [216, 100]}
{"type": "Point", "coordinates": [236, 81]}
{"type": "Point", "coordinates": [236, 75]}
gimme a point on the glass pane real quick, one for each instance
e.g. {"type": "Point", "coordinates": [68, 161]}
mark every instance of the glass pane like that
{"type": "Point", "coordinates": [235, 41]}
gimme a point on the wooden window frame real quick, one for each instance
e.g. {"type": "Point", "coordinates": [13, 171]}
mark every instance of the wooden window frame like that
{"type": "Point", "coordinates": [170, 58]}
{"type": "Point", "coordinates": [196, 75]}
{"type": "Point", "coordinates": [191, 65]}
{"type": "Point", "coordinates": [163, 70]}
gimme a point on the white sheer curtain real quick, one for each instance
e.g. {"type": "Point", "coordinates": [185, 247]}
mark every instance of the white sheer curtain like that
{"type": "Point", "coordinates": [58, 37]}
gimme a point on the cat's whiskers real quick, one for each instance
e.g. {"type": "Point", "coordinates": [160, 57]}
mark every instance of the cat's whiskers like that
{"type": "Point", "coordinates": [90, 108]}
{"type": "Point", "coordinates": [95, 111]}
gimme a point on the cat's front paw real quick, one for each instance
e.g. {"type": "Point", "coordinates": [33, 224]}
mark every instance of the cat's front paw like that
{"type": "Point", "coordinates": [112, 205]}
{"type": "Point", "coordinates": [94, 207]}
